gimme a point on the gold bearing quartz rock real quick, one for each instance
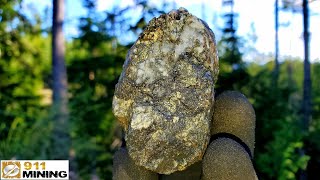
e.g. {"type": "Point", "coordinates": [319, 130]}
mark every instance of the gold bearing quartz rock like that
{"type": "Point", "coordinates": [164, 96]}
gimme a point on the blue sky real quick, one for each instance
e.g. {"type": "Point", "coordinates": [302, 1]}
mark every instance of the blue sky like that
{"type": "Point", "coordinates": [256, 13]}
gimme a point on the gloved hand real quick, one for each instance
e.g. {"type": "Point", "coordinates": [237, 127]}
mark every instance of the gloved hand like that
{"type": "Point", "coordinates": [228, 156]}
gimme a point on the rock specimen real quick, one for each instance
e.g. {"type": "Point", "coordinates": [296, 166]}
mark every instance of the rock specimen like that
{"type": "Point", "coordinates": [164, 97]}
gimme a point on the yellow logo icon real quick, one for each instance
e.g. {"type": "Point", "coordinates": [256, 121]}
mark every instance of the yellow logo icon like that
{"type": "Point", "coordinates": [10, 169]}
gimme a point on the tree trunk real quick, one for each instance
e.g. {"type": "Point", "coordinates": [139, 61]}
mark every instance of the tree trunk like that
{"type": "Point", "coordinates": [61, 139]}
{"type": "Point", "coordinates": [307, 74]}
{"type": "Point", "coordinates": [306, 105]}
{"type": "Point", "coordinates": [276, 59]}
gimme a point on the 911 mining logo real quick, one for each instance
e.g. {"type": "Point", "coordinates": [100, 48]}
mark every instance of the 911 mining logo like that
{"type": "Point", "coordinates": [31, 169]}
{"type": "Point", "coordinates": [10, 169]}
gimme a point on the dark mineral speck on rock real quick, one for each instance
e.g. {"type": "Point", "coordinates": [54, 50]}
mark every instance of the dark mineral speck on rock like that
{"type": "Point", "coordinates": [164, 97]}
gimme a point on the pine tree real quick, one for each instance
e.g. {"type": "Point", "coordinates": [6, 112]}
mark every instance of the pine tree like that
{"type": "Point", "coordinates": [233, 75]}
{"type": "Point", "coordinates": [306, 104]}
{"type": "Point", "coordinates": [61, 138]}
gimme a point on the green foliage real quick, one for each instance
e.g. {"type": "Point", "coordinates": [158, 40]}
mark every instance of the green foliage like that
{"type": "Point", "coordinates": [282, 160]}
{"type": "Point", "coordinates": [22, 48]}
{"type": "Point", "coordinates": [21, 92]}
{"type": "Point", "coordinates": [25, 141]}
{"type": "Point", "coordinates": [278, 137]}
{"type": "Point", "coordinates": [91, 83]}
{"type": "Point", "coordinates": [292, 161]}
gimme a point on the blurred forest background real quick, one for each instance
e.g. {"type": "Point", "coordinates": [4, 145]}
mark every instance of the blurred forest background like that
{"type": "Point", "coordinates": [56, 94]}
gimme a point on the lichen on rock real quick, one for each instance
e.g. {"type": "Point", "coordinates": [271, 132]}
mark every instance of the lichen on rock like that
{"type": "Point", "coordinates": [164, 97]}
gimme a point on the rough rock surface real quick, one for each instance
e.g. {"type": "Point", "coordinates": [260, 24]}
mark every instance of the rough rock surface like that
{"type": "Point", "coordinates": [164, 97]}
